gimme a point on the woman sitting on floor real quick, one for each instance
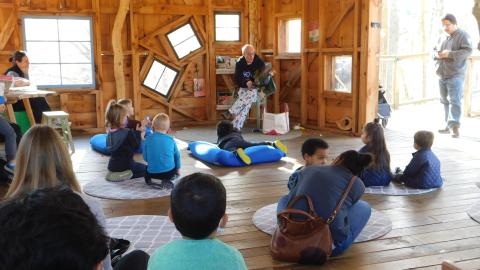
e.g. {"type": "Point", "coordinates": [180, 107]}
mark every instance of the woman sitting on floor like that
{"type": "Point", "coordinates": [325, 185]}
{"type": "Point", "coordinates": [42, 162]}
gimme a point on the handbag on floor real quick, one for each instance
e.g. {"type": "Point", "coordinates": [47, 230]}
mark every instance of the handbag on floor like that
{"type": "Point", "coordinates": [279, 123]}
{"type": "Point", "coordinates": [302, 236]}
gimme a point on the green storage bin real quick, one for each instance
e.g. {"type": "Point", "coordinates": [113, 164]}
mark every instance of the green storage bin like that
{"type": "Point", "coordinates": [22, 121]}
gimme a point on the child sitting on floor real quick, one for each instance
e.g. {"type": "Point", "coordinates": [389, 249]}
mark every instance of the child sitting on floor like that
{"type": "Point", "coordinates": [197, 207]}
{"type": "Point", "coordinates": [379, 173]}
{"type": "Point", "coordinates": [122, 142]}
{"type": "Point", "coordinates": [231, 139]}
{"type": "Point", "coordinates": [314, 152]}
{"type": "Point", "coordinates": [132, 123]}
{"type": "Point", "coordinates": [161, 153]}
{"type": "Point", "coordinates": [423, 171]}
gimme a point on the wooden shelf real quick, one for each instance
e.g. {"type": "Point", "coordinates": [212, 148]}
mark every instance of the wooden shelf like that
{"type": "Point", "coordinates": [224, 71]}
{"type": "Point", "coordinates": [288, 56]}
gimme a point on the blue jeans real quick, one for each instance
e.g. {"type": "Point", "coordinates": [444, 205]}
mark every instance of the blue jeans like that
{"type": "Point", "coordinates": [10, 139]}
{"type": "Point", "coordinates": [138, 169]}
{"type": "Point", "coordinates": [451, 94]}
{"type": "Point", "coordinates": [358, 216]}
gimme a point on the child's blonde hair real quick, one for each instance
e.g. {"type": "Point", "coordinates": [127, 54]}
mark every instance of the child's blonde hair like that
{"type": "Point", "coordinates": [42, 161]}
{"type": "Point", "coordinates": [115, 114]}
{"type": "Point", "coordinates": [125, 101]}
{"type": "Point", "coordinates": [161, 122]}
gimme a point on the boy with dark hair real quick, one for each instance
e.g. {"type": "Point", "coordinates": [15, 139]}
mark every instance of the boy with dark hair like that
{"type": "Point", "coordinates": [423, 171]}
{"type": "Point", "coordinates": [230, 139]}
{"type": "Point", "coordinates": [314, 152]}
{"type": "Point", "coordinates": [53, 228]}
{"type": "Point", "coordinates": [198, 204]}
{"type": "Point", "coordinates": [50, 229]}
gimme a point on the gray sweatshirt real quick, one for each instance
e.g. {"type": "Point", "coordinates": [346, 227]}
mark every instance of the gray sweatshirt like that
{"type": "Point", "coordinates": [460, 47]}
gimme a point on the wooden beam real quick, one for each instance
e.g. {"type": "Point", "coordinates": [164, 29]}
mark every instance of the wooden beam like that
{"type": "Point", "coordinates": [162, 100]}
{"type": "Point", "coordinates": [179, 84]}
{"type": "Point", "coordinates": [253, 22]}
{"type": "Point", "coordinates": [123, 8]}
{"type": "Point", "coordinates": [98, 64]}
{"type": "Point", "coordinates": [136, 96]}
{"type": "Point", "coordinates": [167, 28]}
{"type": "Point", "coordinates": [304, 93]}
{"type": "Point", "coordinates": [7, 30]}
{"type": "Point", "coordinates": [163, 9]}
{"type": "Point", "coordinates": [339, 18]}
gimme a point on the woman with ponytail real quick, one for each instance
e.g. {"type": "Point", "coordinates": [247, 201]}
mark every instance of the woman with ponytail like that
{"type": "Point", "coordinates": [325, 186]}
{"type": "Point", "coordinates": [19, 70]}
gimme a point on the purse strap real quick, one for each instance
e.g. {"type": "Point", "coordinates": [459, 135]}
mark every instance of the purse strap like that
{"type": "Point", "coordinates": [311, 209]}
{"type": "Point", "coordinates": [342, 199]}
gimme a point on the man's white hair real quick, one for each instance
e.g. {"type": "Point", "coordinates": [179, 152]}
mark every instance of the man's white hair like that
{"type": "Point", "coordinates": [245, 47]}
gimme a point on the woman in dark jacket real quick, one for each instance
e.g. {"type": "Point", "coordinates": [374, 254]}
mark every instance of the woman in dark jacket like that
{"type": "Point", "coordinates": [19, 69]}
{"type": "Point", "coordinates": [325, 185]}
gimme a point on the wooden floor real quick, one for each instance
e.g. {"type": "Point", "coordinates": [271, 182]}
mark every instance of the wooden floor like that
{"type": "Point", "coordinates": [426, 229]}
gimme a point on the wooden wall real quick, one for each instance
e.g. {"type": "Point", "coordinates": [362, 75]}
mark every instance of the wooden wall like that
{"type": "Point", "coordinates": [344, 27]}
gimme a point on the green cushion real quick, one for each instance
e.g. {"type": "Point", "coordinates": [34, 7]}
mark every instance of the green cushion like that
{"type": "Point", "coordinates": [119, 176]}
{"type": "Point", "coordinates": [22, 121]}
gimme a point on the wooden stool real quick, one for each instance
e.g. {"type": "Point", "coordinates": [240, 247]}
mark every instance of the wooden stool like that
{"type": "Point", "coordinates": [59, 121]}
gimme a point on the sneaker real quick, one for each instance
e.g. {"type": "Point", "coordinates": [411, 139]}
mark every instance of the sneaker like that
{"type": "Point", "coordinates": [444, 131]}
{"type": "Point", "coordinates": [280, 146]}
{"type": "Point", "coordinates": [456, 133]}
{"type": "Point", "coordinates": [10, 168]}
{"type": "Point", "coordinates": [243, 157]}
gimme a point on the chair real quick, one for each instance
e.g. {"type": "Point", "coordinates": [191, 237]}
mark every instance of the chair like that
{"type": "Point", "coordinates": [59, 121]}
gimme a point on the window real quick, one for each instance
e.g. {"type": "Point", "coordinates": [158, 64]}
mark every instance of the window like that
{"type": "Point", "coordinates": [60, 51]}
{"type": "Point", "coordinates": [227, 26]}
{"type": "Point", "coordinates": [290, 33]}
{"type": "Point", "coordinates": [160, 78]}
{"type": "Point", "coordinates": [342, 73]}
{"type": "Point", "coordinates": [184, 40]}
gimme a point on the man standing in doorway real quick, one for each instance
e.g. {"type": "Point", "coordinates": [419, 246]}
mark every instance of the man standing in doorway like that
{"type": "Point", "coordinates": [451, 65]}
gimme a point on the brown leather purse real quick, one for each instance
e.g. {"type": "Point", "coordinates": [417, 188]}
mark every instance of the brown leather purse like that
{"type": "Point", "coordinates": [304, 237]}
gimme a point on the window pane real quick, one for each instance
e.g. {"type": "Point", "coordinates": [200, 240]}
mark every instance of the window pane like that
{"type": "Point", "coordinates": [45, 74]}
{"type": "Point", "coordinates": [41, 29]}
{"type": "Point", "coordinates": [154, 74]}
{"type": "Point", "coordinates": [180, 34]}
{"type": "Point", "coordinates": [227, 34]}
{"type": "Point", "coordinates": [75, 52]}
{"type": "Point", "coordinates": [43, 52]}
{"type": "Point", "coordinates": [294, 35]}
{"type": "Point", "coordinates": [227, 20]}
{"type": "Point", "coordinates": [343, 73]}
{"type": "Point", "coordinates": [166, 81]}
{"type": "Point", "coordinates": [74, 30]}
{"type": "Point", "coordinates": [77, 74]}
{"type": "Point", "coordinates": [187, 47]}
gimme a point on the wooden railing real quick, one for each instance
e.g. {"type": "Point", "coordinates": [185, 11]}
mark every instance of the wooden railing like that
{"type": "Point", "coordinates": [411, 79]}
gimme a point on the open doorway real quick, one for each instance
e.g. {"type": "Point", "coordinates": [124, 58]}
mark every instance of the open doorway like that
{"type": "Point", "coordinates": [411, 30]}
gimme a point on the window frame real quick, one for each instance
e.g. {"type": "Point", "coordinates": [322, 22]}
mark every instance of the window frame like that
{"type": "Point", "coordinates": [195, 32]}
{"type": "Point", "coordinates": [239, 13]}
{"type": "Point", "coordinates": [175, 79]}
{"type": "Point", "coordinates": [92, 51]}
{"type": "Point", "coordinates": [282, 35]}
{"type": "Point", "coordinates": [329, 73]}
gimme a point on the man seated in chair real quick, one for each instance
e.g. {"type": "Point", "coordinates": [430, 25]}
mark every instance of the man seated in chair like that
{"type": "Point", "coordinates": [246, 69]}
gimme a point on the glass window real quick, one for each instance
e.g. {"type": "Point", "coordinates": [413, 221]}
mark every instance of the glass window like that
{"type": "Point", "coordinates": [184, 40]}
{"type": "Point", "coordinates": [160, 78]}
{"type": "Point", "coordinates": [60, 50]}
{"type": "Point", "coordinates": [293, 36]}
{"type": "Point", "coordinates": [227, 27]}
{"type": "Point", "coordinates": [342, 73]}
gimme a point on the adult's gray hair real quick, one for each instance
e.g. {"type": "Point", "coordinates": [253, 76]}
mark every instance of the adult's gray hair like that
{"type": "Point", "coordinates": [245, 47]}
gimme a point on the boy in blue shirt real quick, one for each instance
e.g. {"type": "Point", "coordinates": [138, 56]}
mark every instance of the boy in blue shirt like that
{"type": "Point", "coordinates": [161, 153]}
{"type": "Point", "coordinates": [197, 207]}
{"type": "Point", "coordinates": [423, 171]}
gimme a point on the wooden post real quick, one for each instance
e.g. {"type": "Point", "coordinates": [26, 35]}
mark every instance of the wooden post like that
{"type": "Point", "coordinates": [304, 68]}
{"type": "Point", "coordinates": [466, 89]}
{"type": "Point", "coordinates": [253, 23]}
{"type": "Point", "coordinates": [136, 95]}
{"type": "Point", "coordinates": [117, 47]}
{"type": "Point", "coordinates": [100, 109]}
{"type": "Point", "coordinates": [7, 30]}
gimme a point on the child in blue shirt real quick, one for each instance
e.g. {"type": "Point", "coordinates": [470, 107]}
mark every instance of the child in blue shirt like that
{"type": "Point", "coordinates": [423, 171]}
{"type": "Point", "coordinates": [197, 208]}
{"type": "Point", "coordinates": [161, 153]}
{"type": "Point", "coordinates": [314, 152]}
{"type": "Point", "coordinates": [379, 173]}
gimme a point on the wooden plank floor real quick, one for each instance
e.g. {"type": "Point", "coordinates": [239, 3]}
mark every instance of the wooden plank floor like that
{"type": "Point", "coordinates": [426, 229]}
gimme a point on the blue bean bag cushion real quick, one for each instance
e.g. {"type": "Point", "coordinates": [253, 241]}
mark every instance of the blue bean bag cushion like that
{"type": "Point", "coordinates": [99, 144]}
{"type": "Point", "coordinates": [211, 153]}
